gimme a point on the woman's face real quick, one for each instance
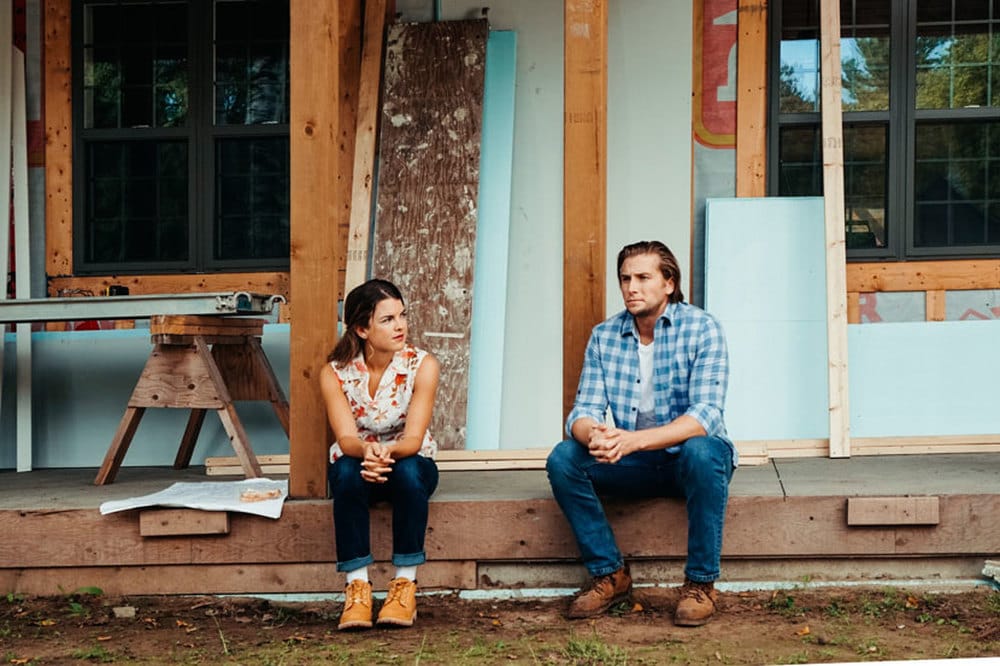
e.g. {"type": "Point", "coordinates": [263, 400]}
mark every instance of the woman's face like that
{"type": "Point", "coordinates": [386, 332]}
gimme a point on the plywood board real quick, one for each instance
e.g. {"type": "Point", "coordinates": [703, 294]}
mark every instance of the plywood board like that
{"type": "Point", "coordinates": [426, 211]}
{"type": "Point", "coordinates": [866, 511]}
{"type": "Point", "coordinates": [178, 522]}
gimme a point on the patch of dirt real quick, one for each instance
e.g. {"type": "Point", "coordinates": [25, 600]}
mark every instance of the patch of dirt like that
{"type": "Point", "coordinates": [789, 626]}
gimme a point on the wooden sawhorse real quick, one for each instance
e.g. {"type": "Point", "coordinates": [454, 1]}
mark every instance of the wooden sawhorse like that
{"type": "Point", "coordinates": [200, 363]}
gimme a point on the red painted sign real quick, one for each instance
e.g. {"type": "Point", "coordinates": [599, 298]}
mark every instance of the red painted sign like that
{"type": "Point", "coordinates": [715, 73]}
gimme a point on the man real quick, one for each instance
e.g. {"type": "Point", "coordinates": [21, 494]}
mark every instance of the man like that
{"type": "Point", "coordinates": [661, 366]}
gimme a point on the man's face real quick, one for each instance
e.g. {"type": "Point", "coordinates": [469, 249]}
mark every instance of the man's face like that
{"type": "Point", "coordinates": [645, 290]}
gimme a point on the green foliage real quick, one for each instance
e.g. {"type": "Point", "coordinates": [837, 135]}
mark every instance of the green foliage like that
{"type": "Point", "coordinates": [96, 653]}
{"type": "Point", "coordinates": [593, 652]}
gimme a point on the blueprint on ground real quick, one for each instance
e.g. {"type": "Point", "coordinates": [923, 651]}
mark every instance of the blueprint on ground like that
{"type": "Point", "coordinates": [212, 496]}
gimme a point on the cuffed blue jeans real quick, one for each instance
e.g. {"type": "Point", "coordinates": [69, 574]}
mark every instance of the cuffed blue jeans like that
{"type": "Point", "coordinates": [409, 487]}
{"type": "Point", "coordinates": [699, 471]}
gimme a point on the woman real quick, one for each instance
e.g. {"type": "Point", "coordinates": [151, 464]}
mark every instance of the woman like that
{"type": "Point", "coordinates": [379, 394]}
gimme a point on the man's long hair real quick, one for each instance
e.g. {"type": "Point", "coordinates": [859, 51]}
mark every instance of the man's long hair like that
{"type": "Point", "coordinates": [668, 263]}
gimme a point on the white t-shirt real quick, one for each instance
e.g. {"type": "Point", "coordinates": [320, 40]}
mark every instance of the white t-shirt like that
{"type": "Point", "coordinates": [647, 406]}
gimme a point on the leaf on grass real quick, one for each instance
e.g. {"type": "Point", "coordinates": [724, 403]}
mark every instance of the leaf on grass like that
{"type": "Point", "coordinates": [104, 638]}
{"type": "Point", "coordinates": [182, 623]}
{"type": "Point", "coordinates": [190, 630]}
{"type": "Point", "coordinates": [804, 631]}
{"type": "Point", "coordinates": [497, 623]}
{"type": "Point", "coordinates": [637, 607]}
{"type": "Point", "coordinates": [718, 656]}
{"type": "Point", "coordinates": [912, 602]}
{"type": "Point", "coordinates": [243, 619]}
{"type": "Point", "coordinates": [150, 621]}
{"type": "Point", "coordinates": [46, 623]}
{"type": "Point", "coordinates": [297, 638]}
{"type": "Point", "coordinates": [24, 660]}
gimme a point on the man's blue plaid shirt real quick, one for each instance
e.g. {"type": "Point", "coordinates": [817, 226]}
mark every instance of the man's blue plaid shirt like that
{"type": "Point", "coordinates": [690, 370]}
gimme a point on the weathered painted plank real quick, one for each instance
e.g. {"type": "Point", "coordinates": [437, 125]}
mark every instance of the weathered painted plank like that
{"type": "Point", "coordinates": [425, 228]}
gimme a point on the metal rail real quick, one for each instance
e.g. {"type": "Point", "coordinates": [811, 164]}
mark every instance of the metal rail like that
{"type": "Point", "coordinates": [136, 307]}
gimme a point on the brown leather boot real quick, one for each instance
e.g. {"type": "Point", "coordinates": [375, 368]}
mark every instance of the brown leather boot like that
{"type": "Point", "coordinates": [696, 605]}
{"type": "Point", "coordinates": [400, 607]}
{"type": "Point", "coordinates": [601, 593]}
{"type": "Point", "coordinates": [357, 606]}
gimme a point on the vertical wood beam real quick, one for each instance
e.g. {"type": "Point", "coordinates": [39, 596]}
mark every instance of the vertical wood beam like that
{"type": "Point", "coordinates": [584, 180]}
{"type": "Point", "coordinates": [58, 103]}
{"type": "Point", "coordinates": [315, 214]}
{"type": "Point", "coordinates": [365, 137]}
{"type": "Point", "coordinates": [934, 305]}
{"type": "Point", "coordinates": [350, 83]}
{"type": "Point", "coordinates": [836, 247]}
{"type": "Point", "coordinates": [751, 101]}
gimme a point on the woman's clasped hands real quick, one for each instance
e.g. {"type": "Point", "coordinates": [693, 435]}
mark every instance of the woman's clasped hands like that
{"type": "Point", "coordinates": [377, 463]}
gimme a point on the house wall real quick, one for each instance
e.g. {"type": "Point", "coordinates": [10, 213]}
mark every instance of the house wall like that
{"type": "Point", "coordinates": [649, 179]}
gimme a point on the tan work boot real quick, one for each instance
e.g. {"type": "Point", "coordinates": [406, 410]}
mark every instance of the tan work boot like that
{"type": "Point", "coordinates": [601, 593]}
{"type": "Point", "coordinates": [400, 607]}
{"type": "Point", "coordinates": [696, 605]}
{"type": "Point", "coordinates": [357, 606]}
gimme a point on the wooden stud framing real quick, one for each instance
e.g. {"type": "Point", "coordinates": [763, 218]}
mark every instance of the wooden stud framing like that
{"type": "Point", "coordinates": [57, 96]}
{"type": "Point", "coordinates": [924, 275]}
{"type": "Point", "coordinates": [836, 247]}
{"type": "Point", "coordinates": [934, 305]}
{"type": "Point", "coordinates": [751, 103]}
{"type": "Point", "coordinates": [314, 138]}
{"type": "Point", "coordinates": [584, 181]}
{"type": "Point", "coordinates": [365, 141]}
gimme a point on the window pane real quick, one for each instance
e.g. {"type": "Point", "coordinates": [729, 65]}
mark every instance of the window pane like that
{"type": "Point", "coordinates": [137, 202]}
{"type": "Point", "coordinates": [800, 173]}
{"type": "Point", "coordinates": [864, 55]}
{"type": "Point", "coordinates": [956, 183]}
{"type": "Point", "coordinates": [135, 65]}
{"type": "Point", "coordinates": [956, 59]}
{"type": "Point", "coordinates": [251, 209]}
{"type": "Point", "coordinates": [251, 62]}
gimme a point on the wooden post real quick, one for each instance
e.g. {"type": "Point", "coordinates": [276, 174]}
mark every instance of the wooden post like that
{"type": "Point", "coordinates": [364, 144]}
{"type": "Point", "coordinates": [58, 100]}
{"type": "Point", "coordinates": [751, 101]}
{"type": "Point", "coordinates": [314, 138]}
{"type": "Point", "coordinates": [584, 181]}
{"type": "Point", "coordinates": [834, 216]}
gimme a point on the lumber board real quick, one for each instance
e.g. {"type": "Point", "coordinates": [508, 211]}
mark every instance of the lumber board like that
{"type": "Point", "coordinates": [207, 321]}
{"type": "Point", "coordinates": [948, 275]}
{"type": "Point", "coordinates": [427, 199]}
{"type": "Point", "coordinates": [866, 511]}
{"type": "Point", "coordinates": [177, 377]}
{"type": "Point", "coordinates": [834, 215]}
{"type": "Point", "coordinates": [139, 285]}
{"type": "Point", "coordinates": [505, 530]}
{"type": "Point", "coordinates": [315, 215]}
{"type": "Point", "coordinates": [751, 103]}
{"type": "Point", "coordinates": [180, 522]}
{"type": "Point", "coordinates": [232, 330]}
{"type": "Point", "coordinates": [934, 305]}
{"type": "Point", "coordinates": [57, 97]}
{"type": "Point", "coordinates": [585, 106]}
{"type": "Point", "coordinates": [277, 578]}
{"type": "Point", "coordinates": [359, 230]}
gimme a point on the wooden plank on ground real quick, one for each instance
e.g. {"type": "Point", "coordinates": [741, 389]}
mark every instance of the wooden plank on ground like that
{"type": "Point", "coordinates": [276, 578]}
{"type": "Point", "coordinates": [867, 511]}
{"type": "Point", "coordinates": [585, 106]}
{"type": "Point", "coordinates": [359, 231]}
{"type": "Point", "coordinates": [751, 103]}
{"type": "Point", "coordinates": [834, 215]}
{"type": "Point", "coordinates": [182, 522]}
{"type": "Point", "coordinates": [427, 200]}
{"type": "Point", "coordinates": [315, 171]}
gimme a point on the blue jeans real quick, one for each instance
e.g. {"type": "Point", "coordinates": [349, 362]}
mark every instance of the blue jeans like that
{"type": "Point", "coordinates": [699, 471]}
{"type": "Point", "coordinates": [409, 487]}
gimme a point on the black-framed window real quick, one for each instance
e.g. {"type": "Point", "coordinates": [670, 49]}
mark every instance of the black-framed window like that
{"type": "Point", "coordinates": [921, 103]}
{"type": "Point", "coordinates": [181, 135]}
